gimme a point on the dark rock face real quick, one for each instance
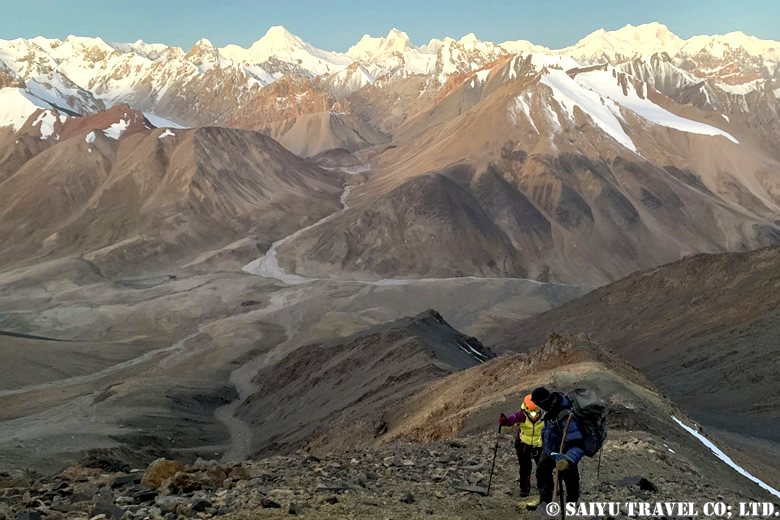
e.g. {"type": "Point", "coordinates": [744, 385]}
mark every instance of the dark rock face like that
{"type": "Point", "coordinates": [317, 382]}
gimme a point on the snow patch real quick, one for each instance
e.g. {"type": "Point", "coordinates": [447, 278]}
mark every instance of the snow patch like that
{"type": "Point", "coordinates": [482, 75]}
{"type": "Point", "coordinates": [552, 116]}
{"type": "Point", "coordinates": [56, 89]}
{"type": "Point", "coordinates": [603, 112]}
{"type": "Point", "coordinates": [539, 61]}
{"type": "Point", "coordinates": [725, 458]}
{"type": "Point", "coordinates": [744, 88]}
{"type": "Point", "coordinates": [512, 71]}
{"type": "Point", "coordinates": [46, 120]}
{"type": "Point", "coordinates": [602, 83]}
{"type": "Point", "coordinates": [90, 138]}
{"type": "Point", "coordinates": [161, 122]}
{"type": "Point", "coordinates": [165, 134]}
{"type": "Point", "coordinates": [116, 130]}
{"type": "Point", "coordinates": [468, 349]}
{"type": "Point", "coordinates": [16, 106]}
{"type": "Point", "coordinates": [521, 105]}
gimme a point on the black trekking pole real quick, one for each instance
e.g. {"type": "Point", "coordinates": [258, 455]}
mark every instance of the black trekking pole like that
{"type": "Point", "coordinates": [492, 466]}
{"type": "Point", "coordinates": [561, 499]}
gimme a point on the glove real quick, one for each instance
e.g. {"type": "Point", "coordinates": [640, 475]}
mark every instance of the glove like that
{"type": "Point", "coordinates": [562, 464]}
{"type": "Point", "coordinates": [503, 421]}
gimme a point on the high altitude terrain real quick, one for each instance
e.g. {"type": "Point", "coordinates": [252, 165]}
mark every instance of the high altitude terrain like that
{"type": "Point", "coordinates": [629, 149]}
{"type": "Point", "coordinates": [200, 245]}
{"type": "Point", "coordinates": [705, 329]}
{"type": "Point", "coordinates": [388, 471]}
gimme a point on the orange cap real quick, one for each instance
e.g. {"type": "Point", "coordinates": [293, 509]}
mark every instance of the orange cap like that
{"type": "Point", "coordinates": [529, 405]}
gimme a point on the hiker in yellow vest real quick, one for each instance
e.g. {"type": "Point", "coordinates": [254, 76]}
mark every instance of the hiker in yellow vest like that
{"type": "Point", "coordinates": [528, 440]}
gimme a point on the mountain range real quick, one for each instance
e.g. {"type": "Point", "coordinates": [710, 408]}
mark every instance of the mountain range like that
{"type": "Point", "coordinates": [87, 74]}
{"type": "Point", "coordinates": [626, 150]}
{"type": "Point", "coordinates": [227, 252]}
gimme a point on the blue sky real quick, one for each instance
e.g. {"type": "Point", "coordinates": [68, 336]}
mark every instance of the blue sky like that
{"type": "Point", "coordinates": [337, 24]}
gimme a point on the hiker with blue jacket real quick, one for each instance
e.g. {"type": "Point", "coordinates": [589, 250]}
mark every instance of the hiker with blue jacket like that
{"type": "Point", "coordinates": [558, 413]}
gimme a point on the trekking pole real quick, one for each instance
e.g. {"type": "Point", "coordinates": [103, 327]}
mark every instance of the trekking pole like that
{"type": "Point", "coordinates": [557, 487]}
{"type": "Point", "coordinates": [495, 452]}
{"type": "Point", "coordinates": [598, 468]}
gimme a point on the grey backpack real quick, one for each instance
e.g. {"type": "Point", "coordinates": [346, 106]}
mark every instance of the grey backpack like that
{"type": "Point", "coordinates": [591, 414]}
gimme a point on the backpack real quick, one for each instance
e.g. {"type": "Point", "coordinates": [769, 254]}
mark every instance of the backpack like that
{"type": "Point", "coordinates": [591, 414]}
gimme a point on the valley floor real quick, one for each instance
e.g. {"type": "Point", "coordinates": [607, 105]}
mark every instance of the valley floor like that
{"type": "Point", "coordinates": [151, 360]}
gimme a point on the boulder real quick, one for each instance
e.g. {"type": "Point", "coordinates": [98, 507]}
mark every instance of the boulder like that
{"type": "Point", "coordinates": [107, 509]}
{"type": "Point", "coordinates": [199, 505]}
{"type": "Point", "coordinates": [239, 473]}
{"type": "Point", "coordinates": [159, 471]}
{"type": "Point", "coordinates": [126, 480]}
{"type": "Point", "coordinates": [267, 503]}
{"type": "Point", "coordinates": [28, 515]}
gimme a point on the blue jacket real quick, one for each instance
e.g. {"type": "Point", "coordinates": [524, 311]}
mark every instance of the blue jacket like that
{"type": "Point", "coordinates": [553, 433]}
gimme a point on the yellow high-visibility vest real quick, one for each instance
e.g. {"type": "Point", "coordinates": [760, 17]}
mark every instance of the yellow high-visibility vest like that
{"type": "Point", "coordinates": [530, 432]}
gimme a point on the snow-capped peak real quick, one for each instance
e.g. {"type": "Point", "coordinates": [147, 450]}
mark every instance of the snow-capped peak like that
{"type": "Point", "coordinates": [629, 41]}
{"type": "Point", "coordinates": [719, 43]}
{"type": "Point", "coordinates": [398, 39]}
{"type": "Point", "coordinates": [204, 43]}
{"type": "Point", "coordinates": [644, 32]}
{"type": "Point", "coordinates": [277, 40]}
{"type": "Point", "coordinates": [523, 46]}
{"type": "Point", "coordinates": [205, 56]}
{"type": "Point", "coordinates": [280, 44]}
{"type": "Point", "coordinates": [470, 40]}
{"type": "Point", "coordinates": [370, 47]}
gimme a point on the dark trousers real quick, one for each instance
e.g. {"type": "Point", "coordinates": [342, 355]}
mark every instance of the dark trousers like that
{"type": "Point", "coordinates": [526, 456]}
{"type": "Point", "coordinates": [544, 479]}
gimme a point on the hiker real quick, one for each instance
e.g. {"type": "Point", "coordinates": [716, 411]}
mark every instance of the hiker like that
{"type": "Point", "coordinates": [528, 439]}
{"type": "Point", "coordinates": [557, 408]}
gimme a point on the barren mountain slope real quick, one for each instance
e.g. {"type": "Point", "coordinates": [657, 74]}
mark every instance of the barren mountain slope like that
{"type": "Point", "coordinates": [578, 177]}
{"type": "Point", "coordinates": [310, 134]}
{"type": "Point", "coordinates": [334, 393]}
{"type": "Point", "coordinates": [429, 226]}
{"type": "Point", "coordinates": [704, 329]}
{"type": "Point", "coordinates": [120, 196]}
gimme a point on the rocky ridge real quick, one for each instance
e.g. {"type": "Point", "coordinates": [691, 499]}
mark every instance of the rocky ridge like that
{"type": "Point", "coordinates": [443, 475]}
